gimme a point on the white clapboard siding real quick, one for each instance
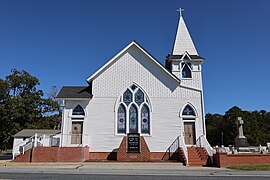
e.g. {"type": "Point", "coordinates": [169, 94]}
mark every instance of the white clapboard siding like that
{"type": "Point", "coordinates": [195, 82]}
{"type": "Point", "coordinates": [167, 98]}
{"type": "Point", "coordinates": [135, 66]}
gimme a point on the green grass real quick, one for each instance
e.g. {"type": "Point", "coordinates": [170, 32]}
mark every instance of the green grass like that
{"type": "Point", "coordinates": [252, 167]}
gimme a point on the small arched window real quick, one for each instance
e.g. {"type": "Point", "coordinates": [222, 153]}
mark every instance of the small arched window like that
{"type": "Point", "coordinates": [188, 111]}
{"type": "Point", "coordinates": [186, 70]}
{"type": "Point", "coordinates": [78, 111]}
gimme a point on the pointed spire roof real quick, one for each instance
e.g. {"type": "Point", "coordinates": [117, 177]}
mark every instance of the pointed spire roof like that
{"type": "Point", "coordinates": [183, 42]}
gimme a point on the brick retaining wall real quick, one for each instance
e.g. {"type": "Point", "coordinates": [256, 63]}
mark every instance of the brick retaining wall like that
{"type": "Point", "coordinates": [55, 154]}
{"type": "Point", "coordinates": [222, 159]}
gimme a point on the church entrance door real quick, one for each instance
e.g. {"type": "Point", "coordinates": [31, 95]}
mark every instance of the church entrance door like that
{"type": "Point", "coordinates": [77, 128]}
{"type": "Point", "coordinates": [189, 128]}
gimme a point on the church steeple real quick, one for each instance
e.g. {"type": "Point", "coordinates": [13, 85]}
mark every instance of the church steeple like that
{"type": "Point", "coordinates": [183, 42]}
{"type": "Point", "coordinates": [184, 62]}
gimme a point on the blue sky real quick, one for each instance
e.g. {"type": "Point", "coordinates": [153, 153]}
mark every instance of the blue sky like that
{"type": "Point", "coordinates": [63, 42]}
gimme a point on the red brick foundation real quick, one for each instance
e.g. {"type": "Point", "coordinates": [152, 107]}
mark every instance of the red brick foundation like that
{"type": "Point", "coordinates": [123, 155]}
{"type": "Point", "coordinates": [102, 156]}
{"type": "Point", "coordinates": [26, 157]}
{"type": "Point", "coordinates": [112, 156]}
{"type": "Point", "coordinates": [55, 154]}
{"type": "Point", "coordinates": [81, 154]}
{"type": "Point", "coordinates": [222, 159]}
{"type": "Point", "coordinates": [157, 156]}
{"type": "Point", "coordinates": [77, 154]}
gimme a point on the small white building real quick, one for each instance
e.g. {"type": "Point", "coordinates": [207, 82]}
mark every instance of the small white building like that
{"type": "Point", "coordinates": [25, 139]}
{"type": "Point", "coordinates": [134, 93]}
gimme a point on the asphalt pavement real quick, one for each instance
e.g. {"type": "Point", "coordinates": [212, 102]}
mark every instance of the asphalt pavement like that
{"type": "Point", "coordinates": [42, 176]}
{"type": "Point", "coordinates": [136, 171]}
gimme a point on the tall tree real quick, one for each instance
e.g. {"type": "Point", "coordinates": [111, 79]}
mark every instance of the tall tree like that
{"type": "Point", "coordinates": [56, 118]}
{"type": "Point", "coordinates": [22, 106]}
{"type": "Point", "coordinates": [214, 124]}
{"type": "Point", "coordinates": [223, 127]}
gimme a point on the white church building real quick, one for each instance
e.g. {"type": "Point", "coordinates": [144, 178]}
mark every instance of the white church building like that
{"type": "Point", "coordinates": [134, 93]}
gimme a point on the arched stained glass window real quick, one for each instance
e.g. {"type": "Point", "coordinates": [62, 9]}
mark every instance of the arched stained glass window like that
{"type": "Point", "coordinates": [78, 110]}
{"type": "Point", "coordinates": [188, 111]}
{"type": "Point", "coordinates": [133, 113]}
{"type": "Point", "coordinates": [133, 119]}
{"type": "Point", "coordinates": [186, 71]}
{"type": "Point", "coordinates": [127, 97]}
{"type": "Point", "coordinates": [139, 97]}
{"type": "Point", "coordinates": [121, 119]}
{"type": "Point", "coordinates": [145, 120]}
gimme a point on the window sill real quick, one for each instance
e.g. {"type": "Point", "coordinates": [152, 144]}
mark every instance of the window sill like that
{"type": "Point", "coordinates": [187, 78]}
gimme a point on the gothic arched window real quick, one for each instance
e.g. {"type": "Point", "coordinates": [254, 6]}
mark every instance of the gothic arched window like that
{"type": "Point", "coordinates": [121, 119]}
{"type": "Point", "coordinates": [78, 110]}
{"type": "Point", "coordinates": [188, 111]}
{"type": "Point", "coordinates": [133, 113]}
{"type": "Point", "coordinates": [145, 120]}
{"type": "Point", "coordinates": [186, 70]}
{"type": "Point", "coordinates": [133, 119]}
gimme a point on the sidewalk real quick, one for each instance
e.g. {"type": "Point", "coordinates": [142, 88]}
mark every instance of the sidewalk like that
{"type": "Point", "coordinates": [118, 168]}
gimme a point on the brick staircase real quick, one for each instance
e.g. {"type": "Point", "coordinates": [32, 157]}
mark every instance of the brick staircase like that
{"type": "Point", "coordinates": [197, 156]}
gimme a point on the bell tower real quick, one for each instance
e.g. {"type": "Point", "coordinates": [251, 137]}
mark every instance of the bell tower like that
{"type": "Point", "coordinates": [184, 61]}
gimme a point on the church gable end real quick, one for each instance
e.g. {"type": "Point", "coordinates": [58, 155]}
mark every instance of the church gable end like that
{"type": "Point", "coordinates": [133, 64]}
{"type": "Point", "coordinates": [121, 53]}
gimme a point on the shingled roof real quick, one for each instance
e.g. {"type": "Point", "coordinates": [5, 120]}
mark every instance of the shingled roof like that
{"type": "Point", "coordinates": [32, 132]}
{"type": "Point", "coordinates": [75, 92]}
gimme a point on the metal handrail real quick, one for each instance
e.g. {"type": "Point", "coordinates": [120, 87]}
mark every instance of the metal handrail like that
{"type": "Point", "coordinates": [174, 147]}
{"type": "Point", "coordinates": [202, 142]}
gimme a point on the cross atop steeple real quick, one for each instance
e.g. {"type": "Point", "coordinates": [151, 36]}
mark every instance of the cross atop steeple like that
{"type": "Point", "coordinates": [180, 10]}
{"type": "Point", "coordinates": [183, 42]}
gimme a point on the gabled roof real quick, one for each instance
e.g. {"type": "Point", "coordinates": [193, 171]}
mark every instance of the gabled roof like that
{"type": "Point", "coordinates": [31, 132]}
{"type": "Point", "coordinates": [133, 43]}
{"type": "Point", "coordinates": [183, 42]}
{"type": "Point", "coordinates": [81, 92]}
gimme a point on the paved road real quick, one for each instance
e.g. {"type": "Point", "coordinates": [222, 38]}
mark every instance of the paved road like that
{"type": "Point", "coordinates": [119, 171]}
{"type": "Point", "coordinates": [34, 176]}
